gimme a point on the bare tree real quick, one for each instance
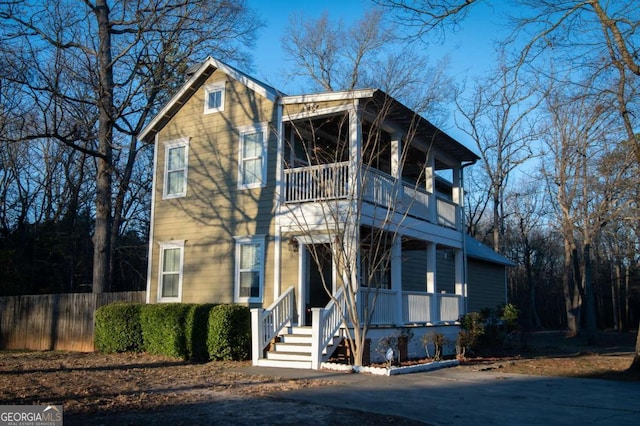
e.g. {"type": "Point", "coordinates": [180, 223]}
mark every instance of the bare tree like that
{"type": "Point", "coordinates": [369, 54]}
{"type": "Point", "coordinates": [500, 118]}
{"type": "Point", "coordinates": [96, 70]}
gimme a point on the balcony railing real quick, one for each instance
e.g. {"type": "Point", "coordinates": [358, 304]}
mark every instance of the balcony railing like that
{"type": "Point", "coordinates": [327, 182]}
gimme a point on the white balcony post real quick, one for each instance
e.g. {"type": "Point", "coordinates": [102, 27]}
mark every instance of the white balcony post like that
{"type": "Point", "coordinates": [256, 333]}
{"type": "Point", "coordinates": [303, 260]}
{"type": "Point", "coordinates": [458, 195]}
{"type": "Point", "coordinates": [396, 278]}
{"type": "Point", "coordinates": [316, 337]}
{"type": "Point", "coordinates": [430, 186]}
{"type": "Point", "coordinates": [431, 281]}
{"type": "Point", "coordinates": [461, 282]}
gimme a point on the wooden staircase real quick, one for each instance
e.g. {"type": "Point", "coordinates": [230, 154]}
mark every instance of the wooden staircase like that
{"type": "Point", "coordinates": [293, 349]}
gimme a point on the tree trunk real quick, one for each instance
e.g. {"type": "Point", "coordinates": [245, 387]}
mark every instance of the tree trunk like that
{"type": "Point", "coordinates": [569, 292]}
{"type": "Point", "coordinates": [589, 301]}
{"type": "Point", "coordinates": [102, 234]}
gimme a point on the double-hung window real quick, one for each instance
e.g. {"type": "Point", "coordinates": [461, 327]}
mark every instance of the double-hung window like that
{"type": "Point", "coordinates": [214, 98]}
{"type": "Point", "coordinates": [252, 161]}
{"type": "Point", "coordinates": [249, 279]}
{"type": "Point", "coordinates": [176, 161]}
{"type": "Point", "coordinates": [170, 274]}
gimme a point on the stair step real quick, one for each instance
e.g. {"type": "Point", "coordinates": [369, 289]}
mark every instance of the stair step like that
{"type": "Point", "coordinates": [306, 365]}
{"type": "Point", "coordinates": [289, 356]}
{"type": "Point", "coordinates": [306, 330]}
{"type": "Point", "coordinates": [295, 338]}
{"type": "Point", "coordinates": [293, 347]}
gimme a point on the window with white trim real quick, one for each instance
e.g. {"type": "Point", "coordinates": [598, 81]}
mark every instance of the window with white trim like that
{"type": "Point", "coordinates": [170, 273]}
{"type": "Point", "coordinates": [176, 161]}
{"type": "Point", "coordinates": [252, 158]}
{"type": "Point", "coordinates": [249, 279]}
{"type": "Point", "coordinates": [214, 98]}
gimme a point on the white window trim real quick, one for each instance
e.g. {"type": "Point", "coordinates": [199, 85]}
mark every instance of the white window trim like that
{"type": "Point", "coordinates": [214, 87]}
{"type": "Point", "coordinates": [164, 245]}
{"type": "Point", "coordinates": [168, 145]}
{"type": "Point", "coordinates": [249, 239]}
{"type": "Point", "coordinates": [247, 130]}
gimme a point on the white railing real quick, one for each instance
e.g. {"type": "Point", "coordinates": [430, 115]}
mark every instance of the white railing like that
{"type": "Point", "coordinates": [377, 304]}
{"type": "Point", "coordinates": [450, 307]}
{"type": "Point", "coordinates": [446, 212]}
{"type": "Point", "coordinates": [325, 323]}
{"type": "Point", "coordinates": [316, 183]}
{"type": "Point", "coordinates": [267, 323]}
{"type": "Point", "coordinates": [331, 181]}
{"type": "Point", "coordinates": [416, 307]}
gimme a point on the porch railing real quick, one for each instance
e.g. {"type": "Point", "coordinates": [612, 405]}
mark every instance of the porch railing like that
{"type": "Point", "coordinates": [417, 307]}
{"type": "Point", "coordinates": [267, 323]}
{"type": "Point", "coordinates": [381, 301]}
{"type": "Point", "coordinates": [326, 182]}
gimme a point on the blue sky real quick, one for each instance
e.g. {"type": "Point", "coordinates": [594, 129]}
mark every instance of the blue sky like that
{"type": "Point", "coordinates": [470, 50]}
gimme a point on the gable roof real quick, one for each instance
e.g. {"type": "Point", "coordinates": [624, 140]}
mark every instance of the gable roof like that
{"type": "Point", "coordinates": [477, 250]}
{"type": "Point", "coordinates": [203, 72]}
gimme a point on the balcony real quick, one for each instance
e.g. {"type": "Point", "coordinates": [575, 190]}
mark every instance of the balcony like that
{"type": "Point", "coordinates": [326, 182]}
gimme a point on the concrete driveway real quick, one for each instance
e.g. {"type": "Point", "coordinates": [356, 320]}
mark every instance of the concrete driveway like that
{"type": "Point", "coordinates": [461, 396]}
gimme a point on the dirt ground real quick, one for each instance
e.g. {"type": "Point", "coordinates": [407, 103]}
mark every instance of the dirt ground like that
{"type": "Point", "coordinates": [143, 389]}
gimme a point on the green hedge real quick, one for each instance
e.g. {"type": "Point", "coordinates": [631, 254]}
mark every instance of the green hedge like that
{"type": "Point", "coordinates": [118, 328]}
{"type": "Point", "coordinates": [229, 333]}
{"type": "Point", "coordinates": [188, 331]}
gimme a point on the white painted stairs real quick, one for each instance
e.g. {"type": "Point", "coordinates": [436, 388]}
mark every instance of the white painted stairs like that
{"type": "Point", "coordinates": [293, 349]}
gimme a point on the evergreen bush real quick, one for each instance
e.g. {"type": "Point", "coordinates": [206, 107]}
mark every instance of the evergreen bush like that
{"type": "Point", "coordinates": [118, 329]}
{"type": "Point", "coordinates": [229, 333]}
{"type": "Point", "coordinates": [164, 329]}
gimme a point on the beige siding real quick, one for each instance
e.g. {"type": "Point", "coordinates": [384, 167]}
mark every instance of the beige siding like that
{"type": "Point", "coordinates": [214, 209]}
{"type": "Point", "coordinates": [486, 288]}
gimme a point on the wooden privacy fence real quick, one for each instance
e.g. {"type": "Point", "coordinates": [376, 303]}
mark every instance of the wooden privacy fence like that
{"type": "Point", "coordinates": [54, 321]}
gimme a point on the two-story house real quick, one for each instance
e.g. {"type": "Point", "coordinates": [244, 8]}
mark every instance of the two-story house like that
{"type": "Point", "coordinates": [257, 195]}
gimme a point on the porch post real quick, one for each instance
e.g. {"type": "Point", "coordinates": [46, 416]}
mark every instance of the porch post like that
{"type": "Point", "coordinates": [461, 284]}
{"type": "Point", "coordinates": [458, 195]}
{"type": "Point", "coordinates": [351, 243]}
{"type": "Point", "coordinates": [396, 279]}
{"type": "Point", "coordinates": [434, 311]}
{"type": "Point", "coordinates": [430, 186]}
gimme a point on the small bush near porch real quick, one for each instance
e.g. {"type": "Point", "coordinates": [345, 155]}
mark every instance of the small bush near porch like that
{"type": "Point", "coordinates": [188, 331]}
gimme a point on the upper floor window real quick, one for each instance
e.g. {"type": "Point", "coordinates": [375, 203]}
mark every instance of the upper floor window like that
{"type": "Point", "coordinates": [214, 98]}
{"type": "Point", "coordinates": [170, 274]}
{"type": "Point", "coordinates": [176, 160]}
{"type": "Point", "coordinates": [252, 158]}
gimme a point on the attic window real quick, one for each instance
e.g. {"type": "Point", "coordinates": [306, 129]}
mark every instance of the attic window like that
{"type": "Point", "coordinates": [214, 98]}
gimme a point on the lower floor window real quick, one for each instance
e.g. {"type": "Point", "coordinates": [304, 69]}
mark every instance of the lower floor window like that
{"type": "Point", "coordinates": [171, 260]}
{"type": "Point", "coordinates": [249, 268]}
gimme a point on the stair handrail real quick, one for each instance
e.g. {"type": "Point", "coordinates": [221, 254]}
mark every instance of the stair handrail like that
{"type": "Point", "coordinates": [325, 327]}
{"type": "Point", "coordinates": [273, 319]}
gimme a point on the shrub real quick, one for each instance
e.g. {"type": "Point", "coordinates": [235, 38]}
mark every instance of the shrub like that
{"type": "Point", "coordinates": [229, 333]}
{"type": "Point", "coordinates": [117, 328]}
{"type": "Point", "coordinates": [196, 331]}
{"type": "Point", "coordinates": [487, 331]}
{"type": "Point", "coordinates": [437, 340]}
{"type": "Point", "coordinates": [164, 329]}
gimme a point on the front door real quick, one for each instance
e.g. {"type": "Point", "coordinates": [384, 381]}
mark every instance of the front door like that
{"type": "Point", "coordinates": [317, 278]}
